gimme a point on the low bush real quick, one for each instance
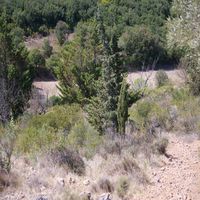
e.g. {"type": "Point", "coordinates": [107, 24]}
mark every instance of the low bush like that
{"type": "Point", "coordinates": [161, 78]}
{"type": "Point", "coordinates": [7, 140]}
{"type": "Point", "coordinates": [43, 30]}
{"type": "Point", "coordinates": [105, 185]}
{"type": "Point", "coordinates": [54, 100]}
{"type": "Point", "coordinates": [160, 146]}
{"type": "Point", "coordinates": [8, 180]}
{"type": "Point", "coordinates": [43, 132]}
{"type": "Point", "coordinates": [129, 166]}
{"type": "Point", "coordinates": [148, 114]}
{"type": "Point", "coordinates": [84, 138]}
{"type": "Point", "coordinates": [68, 158]}
{"type": "Point", "coordinates": [47, 49]}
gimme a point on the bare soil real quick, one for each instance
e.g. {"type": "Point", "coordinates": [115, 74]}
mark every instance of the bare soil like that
{"type": "Point", "coordinates": [179, 177]}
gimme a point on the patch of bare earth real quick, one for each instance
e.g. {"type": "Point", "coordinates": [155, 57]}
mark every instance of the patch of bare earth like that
{"type": "Point", "coordinates": [179, 176]}
{"type": "Point", "coordinates": [176, 77]}
{"type": "Point", "coordinates": [48, 88]}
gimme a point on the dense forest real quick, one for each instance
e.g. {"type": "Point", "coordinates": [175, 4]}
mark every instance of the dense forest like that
{"type": "Point", "coordinates": [98, 44]}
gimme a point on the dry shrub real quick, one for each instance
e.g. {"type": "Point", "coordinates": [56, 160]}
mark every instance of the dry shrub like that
{"type": "Point", "coordinates": [110, 147]}
{"type": "Point", "coordinates": [122, 186]}
{"type": "Point", "coordinates": [129, 166]}
{"type": "Point", "coordinates": [70, 196]}
{"type": "Point", "coordinates": [160, 146]}
{"type": "Point", "coordinates": [7, 180]}
{"type": "Point", "coordinates": [7, 140]}
{"type": "Point", "coordinates": [104, 185]}
{"type": "Point", "coordinates": [65, 157]}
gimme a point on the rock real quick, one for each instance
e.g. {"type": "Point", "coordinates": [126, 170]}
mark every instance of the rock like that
{"type": "Point", "coordinates": [72, 180]}
{"type": "Point", "coordinates": [106, 196]}
{"type": "Point", "coordinates": [42, 198]}
{"type": "Point", "coordinates": [86, 182]}
{"type": "Point", "coordinates": [61, 182]}
{"type": "Point", "coordinates": [86, 196]}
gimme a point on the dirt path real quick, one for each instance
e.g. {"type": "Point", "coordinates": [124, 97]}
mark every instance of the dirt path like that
{"type": "Point", "coordinates": [176, 77]}
{"type": "Point", "coordinates": [179, 178]}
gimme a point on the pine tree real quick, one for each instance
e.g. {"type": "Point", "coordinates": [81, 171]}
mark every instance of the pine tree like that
{"type": "Point", "coordinates": [122, 110]}
{"type": "Point", "coordinates": [110, 83]}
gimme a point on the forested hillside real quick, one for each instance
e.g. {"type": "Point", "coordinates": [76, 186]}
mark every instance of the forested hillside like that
{"type": "Point", "coordinates": [105, 131]}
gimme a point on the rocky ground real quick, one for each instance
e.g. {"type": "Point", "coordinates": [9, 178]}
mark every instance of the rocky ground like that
{"type": "Point", "coordinates": [175, 178]}
{"type": "Point", "coordinates": [179, 177]}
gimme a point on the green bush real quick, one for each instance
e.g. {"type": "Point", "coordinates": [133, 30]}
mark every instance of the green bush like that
{"type": "Point", "coordinates": [42, 132]}
{"type": "Point", "coordinates": [140, 45]}
{"type": "Point", "coordinates": [36, 58]}
{"type": "Point", "coordinates": [43, 30]}
{"type": "Point", "coordinates": [61, 30]}
{"type": "Point", "coordinates": [55, 100]}
{"type": "Point", "coordinates": [161, 78]}
{"type": "Point", "coordinates": [85, 138]}
{"type": "Point", "coordinates": [47, 49]}
{"type": "Point", "coordinates": [145, 113]}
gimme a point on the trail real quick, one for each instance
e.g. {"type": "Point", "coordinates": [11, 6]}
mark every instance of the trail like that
{"type": "Point", "coordinates": [179, 177]}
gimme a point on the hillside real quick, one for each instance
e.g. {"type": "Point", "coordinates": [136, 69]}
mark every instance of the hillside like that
{"type": "Point", "coordinates": [99, 100]}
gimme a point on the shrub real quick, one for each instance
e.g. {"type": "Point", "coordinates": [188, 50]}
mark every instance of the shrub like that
{"type": "Point", "coordinates": [61, 30]}
{"type": "Point", "coordinates": [36, 58]}
{"type": "Point", "coordinates": [129, 166]}
{"type": "Point", "coordinates": [43, 30]}
{"type": "Point", "coordinates": [7, 139]}
{"type": "Point", "coordinates": [148, 114]}
{"type": "Point", "coordinates": [47, 49]}
{"type": "Point", "coordinates": [161, 78]}
{"type": "Point", "coordinates": [139, 45]}
{"type": "Point", "coordinates": [43, 132]}
{"type": "Point", "coordinates": [84, 137]}
{"type": "Point", "coordinates": [160, 146]}
{"type": "Point", "coordinates": [7, 180]}
{"type": "Point", "coordinates": [105, 185]}
{"type": "Point", "coordinates": [122, 186]}
{"type": "Point", "coordinates": [65, 157]}
{"type": "Point", "coordinates": [55, 100]}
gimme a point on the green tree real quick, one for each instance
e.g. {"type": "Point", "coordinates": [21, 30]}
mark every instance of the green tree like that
{"type": "Point", "coordinates": [36, 58]}
{"type": "Point", "coordinates": [122, 110]}
{"type": "Point", "coordinates": [183, 37]}
{"type": "Point", "coordinates": [15, 72]}
{"type": "Point", "coordinates": [77, 66]}
{"type": "Point", "coordinates": [140, 46]}
{"type": "Point", "coordinates": [109, 83]}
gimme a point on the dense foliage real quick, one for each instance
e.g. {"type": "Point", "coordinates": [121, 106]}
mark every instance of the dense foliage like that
{"type": "Point", "coordinates": [183, 38]}
{"type": "Point", "coordinates": [15, 71]}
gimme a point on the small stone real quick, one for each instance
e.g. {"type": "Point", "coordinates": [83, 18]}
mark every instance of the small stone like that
{"type": "Point", "coordinates": [106, 196]}
{"type": "Point", "coordinates": [72, 180]}
{"type": "Point", "coordinates": [61, 182]}
{"type": "Point", "coordinates": [86, 182]}
{"type": "Point", "coordinates": [42, 198]}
